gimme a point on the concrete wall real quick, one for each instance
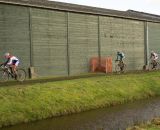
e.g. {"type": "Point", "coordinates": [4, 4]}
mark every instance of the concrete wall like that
{"type": "Point", "coordinates": [62, 43]}
{"type": "Point", "coordinates": [125, 35]}
{"type": "Point", "coordinates": [49, 39]}
{"type": "Point", "coordinates": [14, 33]}
{"type": "Point", "coordinates": [154, 37]}
{"type": "Point", "coordinates": [83, 41]}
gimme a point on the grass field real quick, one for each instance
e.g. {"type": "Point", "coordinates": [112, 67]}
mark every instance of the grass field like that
{"type": "Point", "coordinates": [25, 103]}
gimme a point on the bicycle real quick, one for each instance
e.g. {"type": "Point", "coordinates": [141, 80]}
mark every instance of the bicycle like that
{"type": "Point", "coordinates": [154, 65]}
{"type": "Point", "coordinates": [120, 67]}
{"type": "Point", "coordinates": [7, 74]}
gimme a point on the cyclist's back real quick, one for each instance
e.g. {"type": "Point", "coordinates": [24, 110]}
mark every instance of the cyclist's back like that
{"type": "Point", "coordinates": [120, 56]}
{"type": "Point", "coordinates": [11, 60]}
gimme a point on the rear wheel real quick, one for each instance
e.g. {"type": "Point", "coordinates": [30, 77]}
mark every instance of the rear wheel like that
{"type": "Point", "coordinates": [21, 75]}
{"type": "Point", "coordinates": [4, 76]}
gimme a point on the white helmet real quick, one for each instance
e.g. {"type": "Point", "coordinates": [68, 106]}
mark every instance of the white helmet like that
{"type": "Point", "coordinates": [7, 54]}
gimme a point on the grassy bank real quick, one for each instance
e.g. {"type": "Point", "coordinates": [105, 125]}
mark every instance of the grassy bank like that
{"type": "Point", "coordinates": [153, 125]}
{"type": "Point", "coordinates": [43, 100]}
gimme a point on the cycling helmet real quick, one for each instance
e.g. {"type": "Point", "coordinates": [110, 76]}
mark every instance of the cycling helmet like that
{"type": "Point", "coordinates": [118, 52]}
{"type": "Point", "coordinates": [7, 54]}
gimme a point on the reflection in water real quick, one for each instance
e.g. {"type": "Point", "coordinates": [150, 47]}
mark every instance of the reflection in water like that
{"type": "Point", "coordinates": [113, 118]}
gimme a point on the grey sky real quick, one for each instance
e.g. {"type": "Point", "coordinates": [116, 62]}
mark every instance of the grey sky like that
{"type": "Point", "coordinates": [150, 6]}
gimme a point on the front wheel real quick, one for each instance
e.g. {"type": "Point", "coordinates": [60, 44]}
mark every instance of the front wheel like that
{"type": "Point", "coordinates": [123, 69]}
{"type": "Point", "coordinates": [158, 66]}
{"type": "Point", "coordinates": [4, 76]}
{"type": "Point", "coordinates": [21, 75]}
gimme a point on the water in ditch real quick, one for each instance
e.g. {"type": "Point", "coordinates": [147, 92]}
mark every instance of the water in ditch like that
{"type": "Point", "coordinates": [113, 118]}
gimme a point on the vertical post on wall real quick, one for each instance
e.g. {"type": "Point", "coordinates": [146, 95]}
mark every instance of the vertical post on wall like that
{"type": "Point", "coordinates": [30, 35]}
{"type": "Point", "coordinates": [99, 41]}
{"type": "Point", "coordinates": [68, 58]}
{"type": "Point", "coordinates": [146, 45]}
{"type": "Point", "coordinates": [31, 69]}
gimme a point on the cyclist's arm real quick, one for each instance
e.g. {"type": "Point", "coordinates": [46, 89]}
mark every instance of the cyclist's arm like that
{"type": "Point", "coordinates": [6, 63]}
{"type": "Point", "coordinates": [117, 57]}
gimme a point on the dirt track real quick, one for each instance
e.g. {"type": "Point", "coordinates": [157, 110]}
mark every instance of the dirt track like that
{"type": "Point", "coordinates": [41, 80]}
{"type": "Point", "coordinates": [44, 80]}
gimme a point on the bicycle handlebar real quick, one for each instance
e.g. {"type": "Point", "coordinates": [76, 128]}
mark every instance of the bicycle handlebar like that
{"type": "Point", "coordinates": [3, 67]}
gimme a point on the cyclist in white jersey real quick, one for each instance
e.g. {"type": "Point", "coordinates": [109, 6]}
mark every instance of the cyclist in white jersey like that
{"type": "Point", "coordinates": [12, 62]}
{"type": "Point", "coordinates": [154, 58]}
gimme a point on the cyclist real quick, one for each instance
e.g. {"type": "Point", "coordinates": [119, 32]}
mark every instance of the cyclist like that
{"type": "Point", "coordinates": [120, 65]}
{"type": "Point", "coordinates": [154, 58]}
{"type": "Point", "coordinates": [120, 56]}
{"type": "Point", "coordinates": [12, 62]}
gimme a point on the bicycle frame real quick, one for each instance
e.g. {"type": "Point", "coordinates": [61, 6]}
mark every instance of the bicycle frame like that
{"type": "Point", "coordinates": [155, 64]}
{"type": "Point", "coordinates": [120, 63]}
{"type": "Point", "coordinates": [120, 66]}
{"type": "Point", "coordinates": [7, 70]}
{"type": "Point", "coordinates": [7, 73]}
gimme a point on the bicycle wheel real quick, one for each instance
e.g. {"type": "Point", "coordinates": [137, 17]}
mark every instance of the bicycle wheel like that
{"type": "Point", "coordinates": [157, 66]}
{"type": "Point", "coordinates": [151, 67]}
{"type": "Point", "coordinates": [21, 75]}
{"type": "Point", "coordinates": [123, 69]}
{"type": "Point", "coordinates": [117, 68]}
{"type": "Point", "coordinates": [4, 76]}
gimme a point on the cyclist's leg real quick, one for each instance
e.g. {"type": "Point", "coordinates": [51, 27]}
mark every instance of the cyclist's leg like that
{"type": "Point", "coordinates": [14, 68]}
{"type": "Point", "coordinates": [11, 71]}
{"type": "Point", "coordinates": [154, 63]}
{"type": "Point", "coordinates": [120, 58]}
{"type": "Point", "coordinates": [16, 65]}
{"type": "Point", "coordinates": [121, 64]}
{"type": "Point", "coordinates": [14, 71]}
